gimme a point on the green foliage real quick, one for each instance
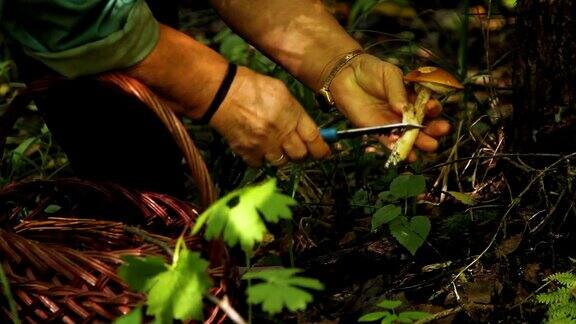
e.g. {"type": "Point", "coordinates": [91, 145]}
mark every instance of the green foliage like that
{"type": "Point", "coordinates": [236, 50]}
{"type": "Point", "coordinates": [390, 315]}
{"type": "Point", "coordinates": [9, 297]}
{"type": "Point", "coordinates": [456, 223]}
{"type": "Point", "coordinates": [462, 197]}
{"type": "Point", "coordinates": [406, 186]}
{"type": "Point", "coordinates": [140, 272]}
{"type": "Point", "coordinates": [359, 9]}
{"type": "Point", "coordinates": [31, 151]}
{"type": "Point", "coordinates": [410, 232]}
{"type": "Point", "coordinates": [561, 301]}
{"type": "Point", "coordinates": [133, 317]}
{"type": "Point", "coordinates": [239, 216]}
{"type": "Point", "coordinates": [174, 291]}
{"type": "Point", "coordinates": [281, 288]}
{"type": "Point", "coordinates": [360, 198]}
{"type": "Point", "coordinates": [384, 215]}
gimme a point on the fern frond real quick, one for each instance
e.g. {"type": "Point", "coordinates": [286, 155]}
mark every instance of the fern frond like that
{"type": "Point", "coordinates": [563, 311]}
{"type": "Point", "coordinates": [559, 296]}
{"type": "Point", "coordinates": [566, 279]}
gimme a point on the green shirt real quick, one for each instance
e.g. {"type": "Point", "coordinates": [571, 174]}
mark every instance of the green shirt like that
{"type": "Point", "coordinates": [81, 37]}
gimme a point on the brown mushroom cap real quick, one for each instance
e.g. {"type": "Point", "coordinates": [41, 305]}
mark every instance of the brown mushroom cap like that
{"type": "Point", "coordinates": [429, 75]}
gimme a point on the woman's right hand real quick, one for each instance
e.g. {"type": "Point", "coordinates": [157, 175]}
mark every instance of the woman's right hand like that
{"type": "Point", "coordinates": [262, 121]}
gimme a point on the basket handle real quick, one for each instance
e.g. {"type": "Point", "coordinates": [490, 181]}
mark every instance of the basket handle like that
{"type": "Point", "coordinates": [194, 159]}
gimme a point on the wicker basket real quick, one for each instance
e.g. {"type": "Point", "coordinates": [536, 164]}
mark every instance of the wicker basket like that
{"type": "Point", "coordinates": [64, 269]}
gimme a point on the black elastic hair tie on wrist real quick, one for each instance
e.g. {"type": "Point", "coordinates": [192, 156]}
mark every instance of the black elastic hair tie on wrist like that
{"type": "Point", "coordinates": [220, 94]}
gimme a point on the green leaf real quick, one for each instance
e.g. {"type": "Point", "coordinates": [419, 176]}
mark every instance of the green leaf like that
{"type": "Point", "coordinates": [18, 154]}
{"type": "Point", "coordinates": [411, 234]}
{"type": "Point", "coordinates": [140, 273]}
{"type": "Point", "coordinates": [387, 196]}
{"type": "Point", "coordinates": [360, 198]}
{"type": "Point", "coordinates": [133, 317]}
{"type": "Point", "coordinates": [51, 209]}
{"type": "Point", "coordinates": [390, 319]}
{"type": "Point", "coordinates": [385, 215]}
{"type": "Point", "coordinates": [236, 217]}
{"type": "Point", "coordinates": [462, 197]}
{"type": "Point", "coordinates": [406, 185]}
{"type": "Point", "coordinates": [389, 304]}
{"type": "Point", "coordinates": [177, 293]}
{"type": "Point", "coordinates": [359, 8]}
{"type": "Point", "coordinates": [370, 317]}
{"type": "Point", "coordinates": [413, 315]}
{"type": "Point", "coordinates": [400, 319]}
{"type": "Point", "coordinates": [510, 3]}
{"type": "Point", "coordinates": [281, 288]}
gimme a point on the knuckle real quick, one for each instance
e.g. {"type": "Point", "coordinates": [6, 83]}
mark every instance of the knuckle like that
{"type": "Point", "coordinates": [259, 131]}
{"type": "Point", "coordinates": [278, 85]}
{"type": "Point", "coordinates": [310, 135]}
{"type": "Point", "coordinates": [250, 144]}
{"type": "Point", "coordinates": [394, 70]}
{"type": "Point", "coordinates": [299, 154]}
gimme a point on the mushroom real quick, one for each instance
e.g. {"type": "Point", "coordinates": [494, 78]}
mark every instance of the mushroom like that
{"type": "Point", "coordinates": [427, 79]}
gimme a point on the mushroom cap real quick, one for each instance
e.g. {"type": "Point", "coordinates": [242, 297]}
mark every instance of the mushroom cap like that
{"type": "Point", "coordinates": [435, 76]}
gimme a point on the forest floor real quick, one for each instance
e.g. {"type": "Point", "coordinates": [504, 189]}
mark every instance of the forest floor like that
{"type": "Point", "coordinates": [502, 220]}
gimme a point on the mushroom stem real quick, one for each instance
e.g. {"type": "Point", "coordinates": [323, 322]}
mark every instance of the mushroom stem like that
{"type": "Point", "coordinates": [413, 114]}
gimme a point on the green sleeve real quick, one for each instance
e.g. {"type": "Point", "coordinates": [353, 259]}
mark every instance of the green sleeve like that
{"type": "Point", "coordinates": [81, 37]}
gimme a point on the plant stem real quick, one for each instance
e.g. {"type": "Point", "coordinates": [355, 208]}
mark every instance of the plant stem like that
{"type": "Point", "coordinates": [147, 238]}
{"type": "Point", "coordinates": [224, 305]}
{"type": "Point", "coordinates": [9, 296]}
{"type": "Point", "coordinates": [413, 114]}
{"type": "Point", "coordinates": [249, 284]}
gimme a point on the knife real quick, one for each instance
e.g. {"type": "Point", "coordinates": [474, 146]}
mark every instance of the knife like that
{"type": "Point", "coordinates": [332, 135]}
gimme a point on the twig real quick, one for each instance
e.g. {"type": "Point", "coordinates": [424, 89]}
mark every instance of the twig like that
{"type": "Point", "coordinates": [534, 293]}
{"type": "Point", "coordinates": [550, 213]}
{"type": "Point", "coordinates": [515, 202]}
{"type": "Point", "coordinates": [452, 311]}
{"type": "Point", "coordinates": [500, 155]}
{"type": "Point", "coordinates": [439, 315]}
{"type": "Point", "coordinates": [148, 238]}
{"type": "Point", "coordinates": [225, 306]}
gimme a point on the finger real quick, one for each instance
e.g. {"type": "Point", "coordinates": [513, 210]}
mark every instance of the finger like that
{"type": "Point", "coordinates": [295, 147]}
{"type": "Point", "coordinates": [310, 135]}
{"type": "Point", "coordinates": [276, 158]}
{"type": "Point", "coordinates": [412, 157]}
{"type": "Point", "coordinates": [252, 159]}
{"type": "Point", "coordinates": [395, 90]}
{"type": "Point", "coordinates": [433, 108]}
{"type": "Point", "coordinates": [437, 128]}
{"type": "Point", "coordinates": [426, 142]}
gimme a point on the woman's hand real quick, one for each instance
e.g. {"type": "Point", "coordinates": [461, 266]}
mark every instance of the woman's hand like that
{"type": "Point", "coordinates": [261, 120]}
{"type": "Point", "coordinates": [370, 92]}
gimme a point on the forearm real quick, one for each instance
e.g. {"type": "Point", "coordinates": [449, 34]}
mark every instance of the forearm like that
{"type": "Point", "coordinates": [300, 35]}
{"type": "Point", "coordinates": [182, 70]}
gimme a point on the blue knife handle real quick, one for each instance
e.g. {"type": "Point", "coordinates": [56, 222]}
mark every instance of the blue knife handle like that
{"type": "Point", "coordinates": [330, 135]}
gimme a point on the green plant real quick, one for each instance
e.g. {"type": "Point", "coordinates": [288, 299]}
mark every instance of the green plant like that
{"type": "Point", "coordinates": [281, 287]}
{"type": "Point", "coordinates": [9, 297]}
{"type": "Point", "coordinates": [176, 290]}
{"type": "Point", "coordinates": [561, 301]}
{"type": "Point", "coordinates": [411, 232]}
{"type": "Point", "coordinates": [389, 315]}
{"type": "Point", "coordinates": [239, 216]}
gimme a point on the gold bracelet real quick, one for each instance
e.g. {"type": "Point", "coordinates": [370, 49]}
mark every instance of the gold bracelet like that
{"type": "Point", "coordinates": [324, 96]}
